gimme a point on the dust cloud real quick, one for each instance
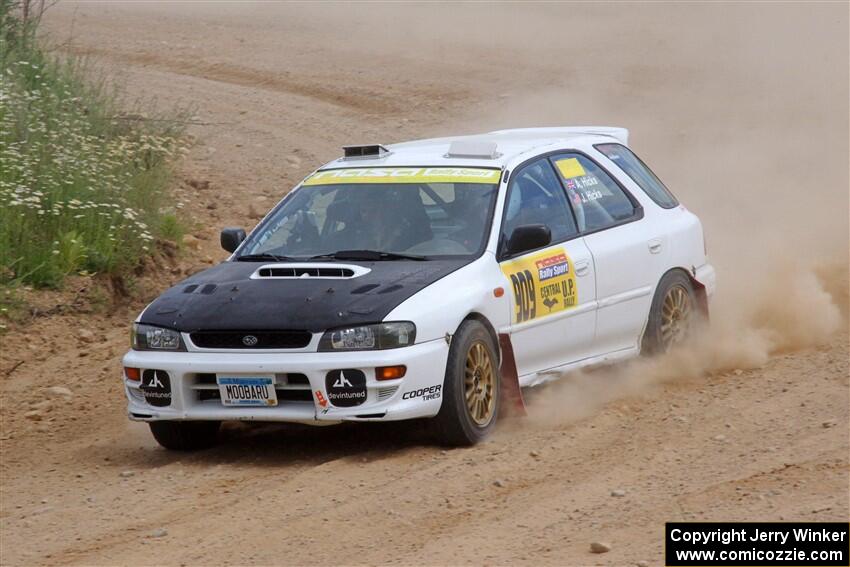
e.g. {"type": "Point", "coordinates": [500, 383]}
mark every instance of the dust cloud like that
{"type": "Point", "coordinates": [751, 135]}
{"type": "Point", "coordinates": [774, 314]}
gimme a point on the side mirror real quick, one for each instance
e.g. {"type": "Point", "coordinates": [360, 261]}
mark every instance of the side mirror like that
{"type": "Point", "coordinates": [528, 237]}
{"type": "Point", "coordinates": [231, 238]}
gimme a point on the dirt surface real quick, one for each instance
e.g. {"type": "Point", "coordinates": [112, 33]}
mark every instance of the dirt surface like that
{"type": "Point", "coordinates": [741, 109]}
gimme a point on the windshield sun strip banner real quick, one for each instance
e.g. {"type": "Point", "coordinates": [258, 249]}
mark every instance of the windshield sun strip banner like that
{"type": "Point", "coordinates": [404, 175]}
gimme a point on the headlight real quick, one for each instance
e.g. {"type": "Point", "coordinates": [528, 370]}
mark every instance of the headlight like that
{"type": "Point", "coordinates": [148, 337]}
{"type": "Point", "coordinates": [369, 337]}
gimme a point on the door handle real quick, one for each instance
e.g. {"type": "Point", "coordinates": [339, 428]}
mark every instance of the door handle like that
{"type": "Point", "coordinates": [654, 245]}
{"type": "Point", "coordinates": [582, 267]}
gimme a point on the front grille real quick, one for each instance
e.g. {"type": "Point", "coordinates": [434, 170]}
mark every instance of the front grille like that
{"type": "Point", "coordinates": [289, 379]}
{"type": "Point", "coordinates": [251, 339]}
{"type": "Point", "coordinates": [386, 393]}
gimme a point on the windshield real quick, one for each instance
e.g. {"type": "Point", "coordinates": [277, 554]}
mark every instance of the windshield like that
{"type": "Point", "coordinates": [430, 212]}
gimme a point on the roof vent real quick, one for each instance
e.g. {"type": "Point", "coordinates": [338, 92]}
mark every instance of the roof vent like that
{"type": "Point", "coordinates": [469, 149]}
{"type": "Point", "coordinates": [370, 151]}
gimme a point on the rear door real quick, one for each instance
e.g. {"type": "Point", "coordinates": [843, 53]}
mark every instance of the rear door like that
{"type": "Point", "coordinates": [627, 256]}
{"type": "Point", "coordinates": [554, 293]}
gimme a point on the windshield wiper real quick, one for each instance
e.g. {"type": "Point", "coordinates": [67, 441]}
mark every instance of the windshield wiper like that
{"type": "Point", "coordinates": [369, 255]}
{"type": "Point", "coordinates": [263, 257]}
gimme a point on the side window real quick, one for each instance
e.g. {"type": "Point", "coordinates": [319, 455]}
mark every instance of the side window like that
{"type": "Point", "coordinates": [536, 197]}
{"type": "Point", "coordinates": [598, 201]}
{"type": "Point", "coordinates": [640, 174]}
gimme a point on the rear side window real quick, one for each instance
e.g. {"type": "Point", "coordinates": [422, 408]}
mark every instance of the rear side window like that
{"type": "Point", "coordinates": [597, 200]}
{"type": "Point", "coordinates": [640, 174]}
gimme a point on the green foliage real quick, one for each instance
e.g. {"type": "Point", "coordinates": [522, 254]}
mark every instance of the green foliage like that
{"type": "Point", "coordinates": [81, 187]}
{"type": "Point", "coordinates": [170, 228]}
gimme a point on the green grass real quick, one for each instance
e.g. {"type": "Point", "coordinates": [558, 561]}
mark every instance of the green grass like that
{"type": "Point", "coordinates": [81, 188]}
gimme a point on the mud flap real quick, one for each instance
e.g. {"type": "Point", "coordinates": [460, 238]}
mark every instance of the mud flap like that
{"type": "Point", "coordinates": [512, 402]}
{"type": "Point", "coordinates": [702, 297]}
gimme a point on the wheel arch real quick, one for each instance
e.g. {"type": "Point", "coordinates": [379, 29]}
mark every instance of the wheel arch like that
{"type": "Point", "coordinates": [699, 288]}
{"type": "Point", "coordinates": [699, 291]}
{"type": "Point", "coordinates": [476, 316]}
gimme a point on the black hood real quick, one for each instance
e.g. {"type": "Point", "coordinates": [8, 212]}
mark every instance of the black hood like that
{"type": "Point", "coordinates": [224, 297]}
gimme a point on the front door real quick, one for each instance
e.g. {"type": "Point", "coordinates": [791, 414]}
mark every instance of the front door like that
{"type": "Point", "coordinates": [554, 290]}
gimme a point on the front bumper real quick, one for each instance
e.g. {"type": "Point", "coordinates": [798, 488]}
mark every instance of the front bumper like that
{"type": "Point", "coordinates": [191, 384]}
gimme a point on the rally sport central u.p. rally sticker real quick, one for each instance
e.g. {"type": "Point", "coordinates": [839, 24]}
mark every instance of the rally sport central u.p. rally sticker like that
{"type": "Point", "coordinates": [543, 284]}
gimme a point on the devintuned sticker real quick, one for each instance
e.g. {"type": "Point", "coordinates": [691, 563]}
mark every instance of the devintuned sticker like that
{"type": "Point", "coordinates": [346, 388]}
{"type": "Point", "coordinates": [543, 284]}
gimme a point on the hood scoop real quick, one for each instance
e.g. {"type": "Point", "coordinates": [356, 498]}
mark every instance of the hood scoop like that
{"type": "Point", "coordinates": [325, 271]}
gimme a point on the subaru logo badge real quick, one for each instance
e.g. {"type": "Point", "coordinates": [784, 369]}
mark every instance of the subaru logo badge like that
{"type": "Point", "coordinates": [249, 340]}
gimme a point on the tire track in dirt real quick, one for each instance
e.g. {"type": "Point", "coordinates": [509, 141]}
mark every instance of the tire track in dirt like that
{"type": "Point", "coordinates": [344, 92]}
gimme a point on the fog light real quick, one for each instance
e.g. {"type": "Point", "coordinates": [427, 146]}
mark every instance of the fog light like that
{"type": "Point", "coordinates": [390, 372]}
{"type": "Point", "coordinates": [132, 373]}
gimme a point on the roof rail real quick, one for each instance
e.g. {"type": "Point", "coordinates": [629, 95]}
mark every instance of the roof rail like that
{"type": "Point", "coordinates": [368, 151]}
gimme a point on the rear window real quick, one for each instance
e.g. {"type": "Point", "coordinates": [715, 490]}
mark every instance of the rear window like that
{"type": "Point", "coordinates": [640, 174]}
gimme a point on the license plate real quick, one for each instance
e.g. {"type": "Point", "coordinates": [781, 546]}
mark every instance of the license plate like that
{"type": "Point", "coordinates": [247, 390]}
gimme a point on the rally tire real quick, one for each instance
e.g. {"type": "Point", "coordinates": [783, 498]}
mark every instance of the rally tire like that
{"type": "Point", "coordinates": [185, 435]}
{"type": "Point", "coordinates": [471, 388]}
{"type": "Point", "coordinates": [673, 315]}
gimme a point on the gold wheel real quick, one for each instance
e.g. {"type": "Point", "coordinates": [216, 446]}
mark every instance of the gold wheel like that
{"type": "Point", "coordinates": [479, 384]}
{"type": "Point", "coordinates": [675, 316]}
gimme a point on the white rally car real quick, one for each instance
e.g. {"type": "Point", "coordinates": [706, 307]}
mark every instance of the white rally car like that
{"type": "Point", "coordinates": [425, 280]}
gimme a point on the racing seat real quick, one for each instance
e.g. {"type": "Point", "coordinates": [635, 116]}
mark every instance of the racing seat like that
{"type": "Point", "coordinates": [337, 213]}
{"type": "Point", "coordinates": [406, 206]}
{"type": "Point", "coordinates": [341, 219]}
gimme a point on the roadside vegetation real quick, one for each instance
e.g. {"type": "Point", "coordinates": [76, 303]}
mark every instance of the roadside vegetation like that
{"type": "Point", "coordinates": [83, 186]}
